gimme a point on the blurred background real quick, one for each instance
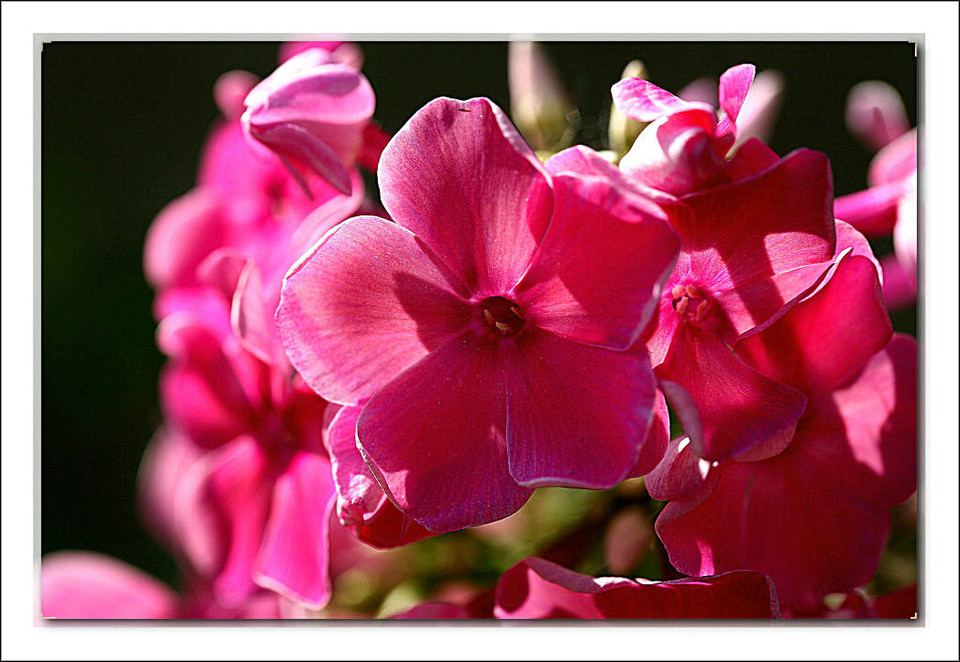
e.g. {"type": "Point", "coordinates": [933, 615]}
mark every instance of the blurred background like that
{"type": "Point", "coordinates": [123, 124]}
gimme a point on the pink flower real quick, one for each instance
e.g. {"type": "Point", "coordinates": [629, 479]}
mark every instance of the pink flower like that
{"type": "Point", "coordinates": [686, 147]}
{"type": "Point", "coordinates": [748, 249]}
{"type": "Point", "coordinates": [814, 517]}
{"type": "Point", "coordinates": [900, 604]}
{"type": "Point", "coordinates": [484, 345]}
{"type": "Point", "coordinates": [254, 509]}
{"type": "Point", "coordinates": [538, 589]}
{"type": "Point", "coordinates": [311, 113]}
{"type": "Point", "coordinates": [88, 585]}
{"type": "Point", "coordinates": [875, 113]}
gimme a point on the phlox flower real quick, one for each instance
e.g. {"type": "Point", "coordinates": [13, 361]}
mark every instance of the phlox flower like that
{"type": "Point", "coordinates": [687, 147]}
{"type": "Point", "coordinates": [875, 114]}
{"type": "Point", "coordinates": [311, 112]}
{"type": "Point", "coordinates": [483, 331]}
{"type": "Point", "coordinates": [749, 248]}
{"type": "Point", "coordinates": [536, 588]}
{"type": "Point", "coordinates": [815, 516]}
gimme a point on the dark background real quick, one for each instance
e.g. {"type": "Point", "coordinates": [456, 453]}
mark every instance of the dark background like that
{"type": "Point", "coordinates": [122, 128]}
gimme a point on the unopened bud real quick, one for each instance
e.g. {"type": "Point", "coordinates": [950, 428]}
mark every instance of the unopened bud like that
{"type": "Point", "coordinates": [539, 104]}
{"type": "Point", "coordinates": [623, 130]}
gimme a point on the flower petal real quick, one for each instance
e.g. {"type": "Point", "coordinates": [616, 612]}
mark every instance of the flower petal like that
{"type": "Point", "coordinates": [536, 588]}
{"type": "Point", "coordinates": [644, 101]}
{"type": "Point", "coordinates": [367, 303]}
{"type": "Point", "coordinates": [294, 556]}
{"type": "Point", "coordinates": [824, 341]}
{"type": "Point", "coordinates": [181, 236]}
{"type": "Point", "coordinates": [435, 438]}
{"type": "Point", "coordinates": [735, 82]}
{"type": "Point", "coordinates": [358, 493]}
{"type": "Point", "coordinates": [731, 410]}
{"type": "Point", "coordinates": [461, 178]}
{"type": "Point", "coordinates": [92, 585]}
{"type": "Point", "coordinates": [657, 440]}
{"type": "Point", "coordinates": [597, 275]}
{"type": "Point", "coordinates": [576, 415]}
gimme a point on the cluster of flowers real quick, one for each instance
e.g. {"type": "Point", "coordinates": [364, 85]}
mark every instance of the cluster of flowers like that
{"type": "Point", "coordinates": [342, 375]}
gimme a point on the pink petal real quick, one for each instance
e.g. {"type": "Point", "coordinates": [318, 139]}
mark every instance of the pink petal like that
{"type": "Point", "coordinates": [435, 438]}
{"type": "Point", "coordinates": [735, 82]}
{"type": "Point", "coordinates": [899, 290]}
{"type": "Point", "coordinates": [222, 523]}
{"type": "Point", "coordinates": [750, 158]}
{"type": "Point", "coordinates": [367, 303]}
{"type": "Point", "coordinates": [901, 603]}
{"type": "Point", "coordinates": [702, 89]}
{"type": "Point", "coordinates": [576, 415]}
{"type": "Point", "coordinates": [644, 101]}
{"type": "Point", "coordinates": [291, 141]}
{"type": "Point", "coordinates": [252, 318]}
{"type": "Point", "coordinates": [389, 527]}
{"type": "Point", "coordinates": [358, 493]}
{"type": "Point", "coordinates": [293, 559]}
{"type": "Point", "coordinates": [681, 474]}
{"type": "Point", "coordinates": [895, 162]}
{"type": "Point", "coordinates": [824, 341]}
{"type": "Point", "coordinates": [585, 162]}
{"type": "Point", "coordinates": [200, 388]}
{"type": "Point", "coordinates": [597, 275]}
{"type": "Point", "coordinates": [872, 211]}
{"type": "Point", "coordinates": [879, 413]}
{"type": "Point", "coordinates": [461, 178]}
{"type": "Point", "coordinates": [535, 588]}
{"type": "Point", "coordinates": [680, 153]}
{"type": "Point", "coordinates": [875, 113]}
{"type": "Point", "coordinates": [726, 408]}
{"type": "Point", "coordinates": [791, 517]}
{"type": "Point", "coordinates": [91, 585]}
{"type": "Point", "coordinates": [181, 236]}
{"type": "Point", "coordinates": [743, 236]}
{"type": "Point", "coordinates": [168, 457]}
{"type": "Point", "coordinates": [656, 441]}
{"type": "Point", "coordinates": [759, 111]}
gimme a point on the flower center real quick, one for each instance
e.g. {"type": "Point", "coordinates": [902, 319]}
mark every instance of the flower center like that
{"type": "Point", "coordinates": [690, 302]}
{"type": "Point", "coordinates": [502, 315]}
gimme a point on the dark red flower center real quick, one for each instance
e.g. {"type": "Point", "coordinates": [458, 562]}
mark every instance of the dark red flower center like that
{"type": "Point", "coordinates": [502, 315]}
{"type": "Point", "coordinates": [690, 302]}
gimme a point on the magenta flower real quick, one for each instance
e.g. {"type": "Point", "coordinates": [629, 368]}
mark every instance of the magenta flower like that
{"type": "Point", "coordinates": [814, 517]}
{"type": "Point", "coordinates": [88, 585]}
{"type": "Point", "coordinates": [686, 147]}
{"type": "Point", "coordinates": [311, 112]}
{"type": "Point", "coordinates": [483, 329]}
{"type": "Point", "coordinates": [748, 249]}
{"type": "Point", "coordinates": [900, 604]}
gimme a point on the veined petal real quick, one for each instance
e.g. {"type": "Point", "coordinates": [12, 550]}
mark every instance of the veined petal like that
{"type": "Point", "coordinates": [367, 303]}
{"type": "Point", "coordinates": [461, 178]}
{"type": "Point", "coordinates": [872, 211]}
{"type": "Point", "coordinates": [657, 440]}
{"type": "Point", "coordinates": [294, 556]}
{"type": "Point", "coordinates": [597, 275]}
{"type": "Point", "coordinates": [358, 493]}
{"type": "Point", "coordinates": [435, 438]}
{"type": "Point", "coordinates": [645, 102]}
{"type": "Point", "coordinates": [576, 415]}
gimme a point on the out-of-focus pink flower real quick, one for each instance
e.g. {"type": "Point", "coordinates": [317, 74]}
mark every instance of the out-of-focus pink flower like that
{"type": "Point", "coordinates": [89, 585]}
{"type": "Point", "coordinates": [749, 248]}
{"type": "Point", "coordinates": [484, 345]}
{"type": "Point", "coordinates": [814, 517]}
{"type": "Point", "coordinates": [538, 589]}
{"type": "Point", "coordinates": [876, 115]}
{"type": "Point", "coordinates": [686, 147]}
{"type": "Point", "coordinates": [345, 52]}
{"type": "Point", "coordinates": [311, 112]}
{"type": "Point", "coordinates": [254, 509]}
